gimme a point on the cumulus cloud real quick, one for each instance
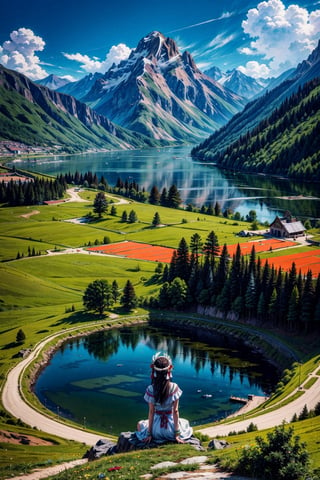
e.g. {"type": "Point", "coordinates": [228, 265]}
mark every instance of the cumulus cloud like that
{"type": "Point", "coordinates": [70, 78]}
{"type": "Point", "coordinates": [283, 36]}
{"type": "Point", "coordinates": [18, 53]}
{"type": "Point", "coordinates": [255, 69]}
{"type": "Point", "coordinates": [94, 64]}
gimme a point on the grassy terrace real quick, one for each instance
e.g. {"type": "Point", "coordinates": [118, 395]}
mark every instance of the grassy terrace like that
{"type": "Point", "coordinates": [37, 293]}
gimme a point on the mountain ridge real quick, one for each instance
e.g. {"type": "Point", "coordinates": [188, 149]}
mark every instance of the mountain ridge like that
{"type": "Point", "coordinates": [33, 113]}
{"type": "Point", "coordinates": [160, 92]}
{"type": "Point", "coordinates": [259, 109]}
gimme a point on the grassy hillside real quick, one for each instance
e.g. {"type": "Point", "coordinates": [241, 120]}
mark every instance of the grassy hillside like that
{"type": "Point", "coordinates": [34, 115]}
{"type": "Point", "coordinates": [37, 294]}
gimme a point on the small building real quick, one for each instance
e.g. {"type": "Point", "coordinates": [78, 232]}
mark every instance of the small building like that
{"type": "Point", "coordinates": [287, 227]}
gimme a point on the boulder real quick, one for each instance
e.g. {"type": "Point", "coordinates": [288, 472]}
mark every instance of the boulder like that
{"type": "Point", "coordinates": [217, 444]}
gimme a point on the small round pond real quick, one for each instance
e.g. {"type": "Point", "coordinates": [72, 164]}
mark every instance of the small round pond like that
{"type": "Point", "coordinates": [99, 381]}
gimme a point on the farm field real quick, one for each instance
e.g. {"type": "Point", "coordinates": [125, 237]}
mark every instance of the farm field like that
{"type": "Point", "coordinates": [304, 261]}
{"type": "Point", "coordinates": [145, 251]}
{"type": "Point", "coordinates": [138, 251]}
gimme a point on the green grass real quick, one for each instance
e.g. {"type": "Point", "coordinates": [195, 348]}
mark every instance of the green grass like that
{"type": "Point", "coordinates": [37, 292]}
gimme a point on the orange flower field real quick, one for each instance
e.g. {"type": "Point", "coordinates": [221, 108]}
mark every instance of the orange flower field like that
{"type": "Point", "coordinates": [138, 251]}
{"type": "Point", "coordinates": [304, 261]}
{"type": "Point", "coordinates": [264, 245]}
{"type": "Point", "coordinates": [144, 251]}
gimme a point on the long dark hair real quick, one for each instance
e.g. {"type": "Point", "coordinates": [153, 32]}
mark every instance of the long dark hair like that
{"type": "Point", "coordinates": [161, 380]}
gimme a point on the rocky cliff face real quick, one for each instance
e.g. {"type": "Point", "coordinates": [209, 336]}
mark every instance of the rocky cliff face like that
{"type": "Point", "coordinates": [160, 92]}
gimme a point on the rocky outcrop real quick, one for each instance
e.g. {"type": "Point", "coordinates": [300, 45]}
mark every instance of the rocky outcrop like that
{"type": "Point", "coordinates": [127, 442]}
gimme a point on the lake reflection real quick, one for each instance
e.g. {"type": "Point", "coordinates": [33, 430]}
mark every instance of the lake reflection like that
{"type": "Point", "coordinates": [99, 381]}
{"type": "Point", "coordinates": [199, 183]}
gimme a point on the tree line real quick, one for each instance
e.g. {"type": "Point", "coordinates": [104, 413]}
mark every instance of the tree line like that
{"type": "Point", "coordinates": [201, 275]}
{"type": "Point", "coordinates": [164, 197]}
{"type": "Point", "coordinates": [32, 192]}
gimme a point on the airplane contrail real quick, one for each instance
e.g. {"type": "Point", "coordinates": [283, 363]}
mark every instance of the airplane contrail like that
{"type": "Point", "coordinates": [222, 17]}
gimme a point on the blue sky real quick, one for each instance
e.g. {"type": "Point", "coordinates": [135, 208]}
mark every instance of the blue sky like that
{"type": "Point", "coordinates": [74, 37]}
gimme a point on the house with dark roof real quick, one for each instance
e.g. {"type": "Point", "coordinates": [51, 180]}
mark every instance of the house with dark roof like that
{"type": "Point", "coordinates": [287, 227]}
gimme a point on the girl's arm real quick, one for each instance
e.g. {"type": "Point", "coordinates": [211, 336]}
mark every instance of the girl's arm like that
{"type": "Point", "coordinates": [150, 422]}
{"type": "Point", "coordinates": [175, 414]}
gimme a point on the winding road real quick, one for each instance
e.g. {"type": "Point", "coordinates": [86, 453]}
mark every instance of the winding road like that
{"type": "Point", "coordinates": [15, 404]}
{"type": "Point", "coordinates": [274, 415]}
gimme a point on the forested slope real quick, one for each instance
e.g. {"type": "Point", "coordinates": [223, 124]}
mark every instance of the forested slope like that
{"type": "Point", "coordinates": [286, 143]}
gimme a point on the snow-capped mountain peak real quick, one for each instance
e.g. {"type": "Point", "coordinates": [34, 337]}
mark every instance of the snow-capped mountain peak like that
{"type": "Point", "coordinates": [161, 92]}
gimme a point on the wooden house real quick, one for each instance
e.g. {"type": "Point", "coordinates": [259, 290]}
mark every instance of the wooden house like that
{"type": "Point", "coordinates": [287, 227]}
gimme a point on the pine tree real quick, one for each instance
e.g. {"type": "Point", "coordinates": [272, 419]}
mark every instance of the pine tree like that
{"type": "Point", "coordinates": [196, 246]}
{"type": "Point", "coordinates": [124, 216]}
{"type": "Point", "coordinates": [307, 302]}
{"type": "Point", "coordinates": [174, 199]}
{"type": "Point", "coordinates": [21, 336]}
{"type": "Point", "coordinates": [250, 296]}
{"type": "Point", "coordinates": [113, 211]}
{"type": "Point", "coordinates": [115, 290]}
{"type": "Point", "coordinates": [235, 274]}
{"type": "Point", "coordinates": [261, 308]}
{"type": "Point", "coordinates": [222, 270]}
{"type": "Point", "coordinates": [217, 209]}
{"type": "Point", "coordinates": [293, 312]}
{"type": "Point", "coordinates": [211, 248]}
{"type": "Point", "coordinates": [129, 299]}
{"type": "Point", "coordinates": [133, 217]}
{"type": "Point", "coordinates": [100, 204]}
{"type": "Point", "coordinates": [182, 260]}
{"type": "Point", "coordinates": [273, 306]}
{"type": "Point", "coordinates": [164, 198]}
{"type": "Point", "coordinates": [156, 220]}
{"type": "Point", "coordinates": [154, 197]}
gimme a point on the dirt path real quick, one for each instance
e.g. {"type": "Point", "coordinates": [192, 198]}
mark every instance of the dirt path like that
{"type": "Point", "coordinates": [15, 404]}
{"type": "Point", "coordinates": [74, 196]}
{"type": "Point", "coordinates": [48, 472]}
{"type": "Point", "coordinates": [310, 397]}
{"type": "Point", "coordinates": [28, 215]}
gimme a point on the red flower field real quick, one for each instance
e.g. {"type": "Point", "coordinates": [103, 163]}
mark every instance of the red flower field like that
{"type": "Point", "coordinates": [304, 261]}
{"type": "Point", "coordinates": [139, 251]}
{"type": "Point", "coordinates": [144, 251]}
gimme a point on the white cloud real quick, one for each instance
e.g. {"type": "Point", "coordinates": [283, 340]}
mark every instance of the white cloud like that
{"type": "Point", "coordinates": [283, 36]}
{"type": "Point", "coordinates": [94, 64]}
{"type": "Point", "coordinates": [220, 41]}
{"type": "Point", "coordinates": [70, 78]}
{"type": "Point", "coordinates": [255, 69]}
{"type": "Point", "coordinates": [18, 53]}
{"type": "Point", "coordinates": [222, 17]}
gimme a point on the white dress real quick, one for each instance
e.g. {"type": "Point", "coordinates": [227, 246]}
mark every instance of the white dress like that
{"type": "Point", "coordinates": [163, 425]}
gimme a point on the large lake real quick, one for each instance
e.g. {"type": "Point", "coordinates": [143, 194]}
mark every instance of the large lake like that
{"type": "Point", "coordinates": [99, 381]}
{"type": "Point", "coordinates": [199, 183]}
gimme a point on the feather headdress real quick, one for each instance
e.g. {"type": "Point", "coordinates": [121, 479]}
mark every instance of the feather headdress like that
{"type": "Point", "coordinates": [166, 368]}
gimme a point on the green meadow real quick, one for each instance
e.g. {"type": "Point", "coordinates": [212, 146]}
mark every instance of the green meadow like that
{"type": "Point", "coordinates": [42, 294]}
